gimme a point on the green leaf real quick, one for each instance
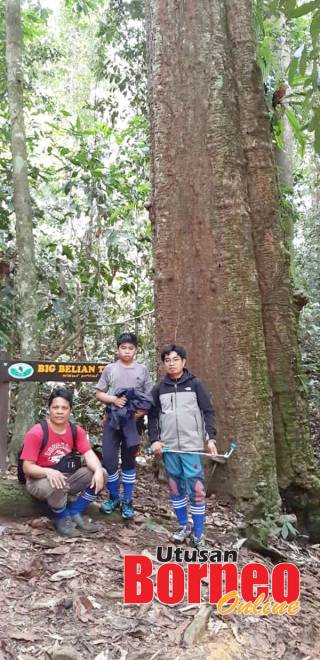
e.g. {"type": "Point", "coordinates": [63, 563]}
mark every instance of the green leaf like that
{"type": "Point", "coordinates": [316, 126]}
{"type": "Point", "coordinates": [303, 62]}
{"type": "Point", "coordinates": [284, 531]}
{"type": "Point", "coordinates": [288, 6]}
{"type": "Point", "coordinates": [296, 127]}
{"type": "Point", "coordinates": [315, 28]}
{"type": "Point", "coordinates": [292, 70]}
{"type": "Point", "coordinates": [67, 251]}
{"type": "Point", "coordinates": [306, 8]}
{"type": "Point", "coordinates": [315, 77]}
{"type": "Point", "coordinates": [291, 528]}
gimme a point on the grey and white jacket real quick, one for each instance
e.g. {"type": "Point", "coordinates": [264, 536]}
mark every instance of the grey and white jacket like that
{"type": "Point", "coordinates": [182, 413]}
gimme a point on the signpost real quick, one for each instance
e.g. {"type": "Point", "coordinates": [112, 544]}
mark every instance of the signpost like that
{"type": "Point", "coordinates": [40, 371]}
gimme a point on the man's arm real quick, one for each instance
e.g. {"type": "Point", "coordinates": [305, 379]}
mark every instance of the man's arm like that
{"type": "Point", "coordinates": [108, 399]}
{"type": "Point", "coordinates": [93, 463]}
{"type": "Point", "coordinates": [34, 471]}
{"type": "Point", "coordinates": [206, 407]}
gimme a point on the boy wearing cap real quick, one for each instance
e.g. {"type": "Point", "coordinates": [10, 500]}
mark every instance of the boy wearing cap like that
{"type": "Point", "coordinates": [125, 373]}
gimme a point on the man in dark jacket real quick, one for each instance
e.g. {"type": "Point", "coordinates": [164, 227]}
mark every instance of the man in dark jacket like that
{"type": "Point", "coordinates": [180, 418]}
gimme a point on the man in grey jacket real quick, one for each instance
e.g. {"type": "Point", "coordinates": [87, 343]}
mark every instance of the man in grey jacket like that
{"type": "Point", "coordinates": [181, 416]}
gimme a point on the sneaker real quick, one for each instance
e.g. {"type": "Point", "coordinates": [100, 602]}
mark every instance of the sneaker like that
{"type": "Point", "coordinates": [127, 510]}
{"type": "Point", "coordinates": [198, 542]}
{"type": "Point", "coordinates": [110, 505]}
{"type": "Point", "coordinates": [181, 534]}
{"type": "Point", "coordinates": [84, 524]}
{"type": "Point", "coordinates": [65, 527]}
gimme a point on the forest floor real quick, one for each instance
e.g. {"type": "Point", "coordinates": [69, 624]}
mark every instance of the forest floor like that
{"type": "Point", "coordinates": [63, 599]}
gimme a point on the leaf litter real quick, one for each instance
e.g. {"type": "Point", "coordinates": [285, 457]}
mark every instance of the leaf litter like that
{"type": "Point", "coordinates": [62, 599]}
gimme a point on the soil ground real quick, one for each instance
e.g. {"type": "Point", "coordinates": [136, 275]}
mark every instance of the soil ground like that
{"type": "Point", "coordinates": [63, 599]}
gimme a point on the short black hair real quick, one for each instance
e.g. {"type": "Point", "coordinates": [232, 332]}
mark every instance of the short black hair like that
{"type": "Point", "coordinates": [127, 337]}
{"type": "Point", "coordinates": [172, 347]}
{"type": "Point", "coordinates": [61, 392]}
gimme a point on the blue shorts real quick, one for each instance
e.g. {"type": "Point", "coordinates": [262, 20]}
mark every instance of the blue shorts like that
{"type": "Point", "coordinates": [185, 475]}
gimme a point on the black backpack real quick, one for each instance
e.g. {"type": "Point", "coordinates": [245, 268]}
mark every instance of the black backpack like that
{"type": "Point", "coordinates": [69, 463]}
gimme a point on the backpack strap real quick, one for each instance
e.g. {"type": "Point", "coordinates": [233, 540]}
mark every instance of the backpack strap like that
{"type": "Point", "coordinates": [45, 430]}
{"type": "Point", "coordinates": [74, 433]}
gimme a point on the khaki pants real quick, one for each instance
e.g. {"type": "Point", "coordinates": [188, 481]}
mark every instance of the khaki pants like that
{"type": "Point", "coordinates": [57, 497]}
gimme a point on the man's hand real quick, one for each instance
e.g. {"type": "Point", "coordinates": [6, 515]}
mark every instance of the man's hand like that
{"type": "Point", "coordinates": [97, 480]}
{"type": "Point", "coordinates": [119, 401]}
{"type": "Point", "coordinates": [212, 449]}
{"type": "Point", "coordinates": [56, 479]}
{"type": "Point", "coordinates": [157, 448]}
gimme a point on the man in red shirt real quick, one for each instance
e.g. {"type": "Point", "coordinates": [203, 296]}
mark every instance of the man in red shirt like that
{"type": "Point", "coordinates": [44, 478]}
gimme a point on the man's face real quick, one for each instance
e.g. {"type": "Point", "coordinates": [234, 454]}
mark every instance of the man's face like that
{"type": "Point", "coordinates": [59, 411]}
{"type": "Point", "coordinates": [174, 364]}
{"type": "Point", "coordinates": [127, 352]}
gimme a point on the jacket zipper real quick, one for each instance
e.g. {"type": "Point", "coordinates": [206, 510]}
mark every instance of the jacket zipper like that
{"type": "Point", "coordinates": [176, 408]}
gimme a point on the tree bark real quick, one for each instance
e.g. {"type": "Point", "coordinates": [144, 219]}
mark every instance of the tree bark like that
{"type": "Point", "coordinates": [206, 285]}
{"type": "Point", "coordinates": [26, 279]}
{"type": "Point", "coordinates": [295, 463]}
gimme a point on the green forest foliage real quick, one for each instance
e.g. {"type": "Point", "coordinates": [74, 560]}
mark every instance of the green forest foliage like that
{"type": "Point", "coordinates": [87, 134]}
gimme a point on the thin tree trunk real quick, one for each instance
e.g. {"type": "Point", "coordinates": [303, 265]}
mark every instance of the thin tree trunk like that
{"type": "Point", "coordinates": [26, 280]}
{"type": "Point", "coordinates": [295, 465]}
{"type": "Point", "coordinates": [206, 287]}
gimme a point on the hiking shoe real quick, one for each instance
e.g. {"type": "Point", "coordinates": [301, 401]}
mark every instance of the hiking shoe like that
{"type": "Point", "coordinates": [110, 505]}
{"type": "Point", "coordinates": [127, 510]}
{"type": "Point", "coordinates": [84, 524]}
{"type": "Point", "coordinates": [181, 534]}
{"type": "Point", "coordinates": [65, 527]}
{"type": "Point", "coordinates": [198, 542]}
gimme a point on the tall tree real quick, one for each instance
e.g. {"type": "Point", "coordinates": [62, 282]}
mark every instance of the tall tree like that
{"type": "Point", "coordinates": [206, 285]}
{"type": "Point", "coordinates": [26, 279]}
{"type": "Point", "coordinates": [295, 465]}
{"type": "Point", "coordinates": [222, 282]}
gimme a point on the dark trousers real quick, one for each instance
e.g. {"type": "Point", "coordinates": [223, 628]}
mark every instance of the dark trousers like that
{"type": "Point", "coordinates": [113, 441]}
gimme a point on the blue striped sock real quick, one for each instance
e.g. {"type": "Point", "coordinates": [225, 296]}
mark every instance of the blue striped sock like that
{"type": "Point", "coordinates": [83, 501]}
{"type": "Point", "coordinates": [180, 508]}
{"type": "Point", "coordinates": [113, 484]}
{"type": "Point", "coordinates": [59, 513]}
{"type": "Point", "coordinates": [128, 480]}
{"type": "Point", "coordinates": [198, 515]}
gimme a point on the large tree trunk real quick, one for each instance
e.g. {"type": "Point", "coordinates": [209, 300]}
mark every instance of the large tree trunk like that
{"type": "Point", "coordinates": [295, 464]}
{"type": "Point", "coordinates": [206, 285]}
{"type": "Point", "coordinates": [26, 280]}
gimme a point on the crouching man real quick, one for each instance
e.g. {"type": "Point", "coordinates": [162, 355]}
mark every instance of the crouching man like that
{"type": "Point", "coordinates": [53, 471]}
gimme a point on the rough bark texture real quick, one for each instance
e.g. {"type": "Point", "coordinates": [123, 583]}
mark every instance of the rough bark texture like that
{"type": "Point", "coordinates": [26, 280]}
{"type": "Point", "coordinates": [295, 464]}
{"type": "Point", "coordinates": [206, 285]}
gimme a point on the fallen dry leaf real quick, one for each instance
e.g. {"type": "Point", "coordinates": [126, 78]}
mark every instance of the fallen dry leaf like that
{"type": "Point", "coordinates": [63, 575]}
{"type": "Point", "coordinates": [26, 636]}
{"type": "Point", "coordinates": [41, 523]}
{"type": "Point", "coordinates": [30, 570]}
{"type": "Point", "coordinates": [82, 608]}
{"type": "Point", "coordinates": [58, 550]}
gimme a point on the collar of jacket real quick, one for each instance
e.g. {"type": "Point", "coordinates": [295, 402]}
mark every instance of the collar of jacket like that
{"type": "Point", "coordinates": [185, 376]}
